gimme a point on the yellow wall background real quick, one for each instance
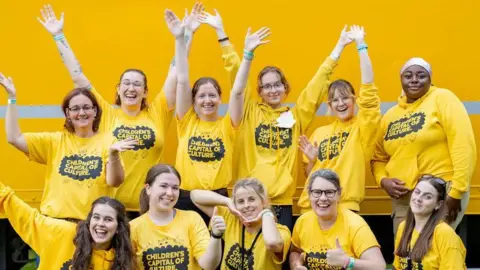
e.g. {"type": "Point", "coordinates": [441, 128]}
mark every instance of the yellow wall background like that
{"type": "Point", "coordinates": [110, 36]}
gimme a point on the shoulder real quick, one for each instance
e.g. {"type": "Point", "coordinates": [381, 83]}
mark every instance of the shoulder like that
{"type": "Point", "coordinates": [443, 95]}
{"type": "Point", "coordinates": [189, 217]}
{"type": "Point", "coordinates": [307, 217]}
{"type": "Point", "coordinates": [353, 220]}
{"type": "Point", "coordinates": [446, 237]}
{"type": "Point", "coordinates": [137, 222]}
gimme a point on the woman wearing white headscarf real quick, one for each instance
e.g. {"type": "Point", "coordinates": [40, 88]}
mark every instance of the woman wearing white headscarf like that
{"type": "Point", "coordinates": [427, 132]}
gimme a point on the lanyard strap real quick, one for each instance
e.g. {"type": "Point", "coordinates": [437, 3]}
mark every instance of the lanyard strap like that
{"type": "Point", "coordinates": [249, 251]}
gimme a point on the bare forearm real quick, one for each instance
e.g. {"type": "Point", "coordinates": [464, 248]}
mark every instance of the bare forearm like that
{"type": "Point", "coordinates": [208, 198]}
{"type": "Point", "coordinates": [365, 65]}
{"type": "Point", "coordinates": [271, 236]}
{"type": "Point", "coordinates": [212, 256]}
{"type": "Point", "coordinates": [221, 35]}
{"type": "Point", "coordinates": [115, 171]}
{"type": "Point", "coordinates": [70, 61]}
{"type": "Point", "coordinates": [368, 265]}
{"type": "Point", "coordinates": [12, 128]}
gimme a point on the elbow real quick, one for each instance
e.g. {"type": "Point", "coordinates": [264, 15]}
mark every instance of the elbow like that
{"type": "Point", "coordinates": [115, 181]}
{"type": "Point", "coordinates": [194, 196]}
{"type": "Point", "coordinates": [80, 80]}
{"type": "Point", "coordinates": [11, 140]}
{"type": "Point", "coordinates": [274, 246]}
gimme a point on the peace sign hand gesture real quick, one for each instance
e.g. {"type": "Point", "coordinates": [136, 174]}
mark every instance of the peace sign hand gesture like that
{"type": "Point", "coordinates": [252, 41]}
{"type": "Point", "coordinates": [50, 21]}
{"type": "Point", "coordinates": [7, 83]}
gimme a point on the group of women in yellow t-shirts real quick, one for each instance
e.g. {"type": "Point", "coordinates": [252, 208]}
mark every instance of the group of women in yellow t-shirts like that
{"type": "Point", "coordinates": [106, 165]}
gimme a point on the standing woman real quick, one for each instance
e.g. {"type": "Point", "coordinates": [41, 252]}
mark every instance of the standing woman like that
{"type": "Point", "coordinates": [346, 145]}
{"type": "Point", "coordinates": [205, 151]}
{"type": "Point", "coordinates": [168, 237]}
{"type": "Point", "coordinates": [428, 131]}
{"type": "Point", "coordinates": [101, 242]}
{"type": "Point", "coordinates": [332, 231]}
{"type": "Point", "coordinates": [132, 117]}
{"type": "Point", "coordinates": [253, 238]}
{"type": "Point", "coordinates": [81, 164]}
{"type": "Point", "coordinates": [423, 240]}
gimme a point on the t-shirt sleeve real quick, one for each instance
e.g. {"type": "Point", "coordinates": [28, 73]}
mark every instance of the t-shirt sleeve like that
{"type": "Point", "coordinates": [286, 237]}
{"type": "Point", "coordinates": [451, 249]}
{"type": "Point", "coordinates": [398, 237]}
{"type": "Point", "coordinates": [363, 239]}
{"type": "Point", "coordinates": [199, 235]}
{"type": "Point", "coordinates": [186, 121]}
{"type": "Point", "coordinates": [40, 145]}
{"type": "Point", "coordinates": [296, 241]}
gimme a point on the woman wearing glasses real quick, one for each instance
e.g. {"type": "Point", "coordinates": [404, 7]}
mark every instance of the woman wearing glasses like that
{"type": "Point", "coordinates": [427, 131]}
{"type": "Point", "coordinates": [423, 240]}
{"type": "Point", "coordinates": [81, 164]}
{"type": "Point", "coordinates": [132, 117]}
{"type": "Point", "coordinates": [331, 236]}
{"type": "Point", "coordinates": [267, 148]}
{"type": "Point", "coordinates": [349, 139]}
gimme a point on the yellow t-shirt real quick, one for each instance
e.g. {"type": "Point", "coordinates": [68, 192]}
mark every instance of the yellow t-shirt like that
{"type": "Point", "coordinates": [149, 127]}
{"type": "Point", "coordinates": [446, 252]}
{"type": "Point", "coordinates": [261, 258]}
{"type": "Point", "coordinates": [75, 171]}
{"type": "Point", "coordinates": [177, 245]}
{"type": "Point", "coordinates": [50, 238]}
{"type": "Point", "coordinates": [204, 153]}
{"type": "Point", "coordinates": [432, 135]}
{"type": "Point", "coordinates": [268, 152]}
{"type": "Point", "coordinates": [353, 233]}
{"type": "Point", "coordinates": [349, 146]}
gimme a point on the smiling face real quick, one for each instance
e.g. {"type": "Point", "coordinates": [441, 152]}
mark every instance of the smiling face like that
{"type": "Point", "coordinates": [81, 112]}
{"type": "Point", "coordinates": [324, 198]}
{"type": "Point", "coordinates": [131, 89]}
{"type": "Point", "coordinates": [164, 192]}
{"type": "Point", "coordinates": [415, 82]}
{"type": "Point", "coordinates": [206, 100]}
{"type": "Point", "coordinates": [424, 199]}
{"type": "Point", "coordinates": [342, 105]}
{"type": "Point", "coordinates": [248, 202]}
{"type": "Point", "coordinates": [103, 225]}
{"type": "Point", "coordinates": [272, 89]}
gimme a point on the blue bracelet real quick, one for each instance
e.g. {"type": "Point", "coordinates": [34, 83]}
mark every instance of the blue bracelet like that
{"type": "Point", "coordinates": [59, 37]}
{"type": "Point", "coordinates": [362, 47]}
{"type": "Point", "coordinates": [351, 263]}
{"type": "Point", "coordinates": [12, 101]}
{"type": "Point", "coordinates": [249, 57]}
{"type": "Point", "coordinates": [247, 52]}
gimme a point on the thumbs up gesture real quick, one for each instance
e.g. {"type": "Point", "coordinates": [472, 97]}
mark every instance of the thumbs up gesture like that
{"type": "Point", "coordinates": [217, 223]}
{"type": "Point", "coordinates": [337, 257]}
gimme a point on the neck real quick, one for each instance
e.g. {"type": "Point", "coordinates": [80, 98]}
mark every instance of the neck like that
{"type": "Point", "coordinates": [86, 132]}
{"type": "Point", "coordinates": [410, 100]}
{"type": "Point", "coordinates": [420, 222]}
{"type": "Point", "coordinates": [131, 110]}
{"type": "Point", "coordinates": [208, 118]}
{"type": "Point", "coordinates": [161, 217]}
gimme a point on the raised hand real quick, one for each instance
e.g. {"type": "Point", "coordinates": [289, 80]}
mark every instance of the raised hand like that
{"type": "Point", "coordinates": [217, 223]}
{"type": "Point", "coordinates": [7, 83]}
{"type": "Point", "coordinates": [336, 257]}
{"type": "Point", "coordinates": [345, 38]}
{"type": "Point", "coordinates": [234, 211]}
{"type": "Point", "coordinates": [123, 145]}
{"type": "Point", "coordinates": [50, 21]}
{"type": "Point", "coordinates": [357, 34]}
{"type": "Point", "coordinates": [252, 41]}
{"type": "Point", "coordinates": [214, 21]}
{"type": "Point", "coordinates": [257, 218]}
{"type": "Point", "coordinates": [176, 27]}
{"type": "Point", "coordinates": [311, 151]}
{"type": "Point", "coordinates": [191, 20]}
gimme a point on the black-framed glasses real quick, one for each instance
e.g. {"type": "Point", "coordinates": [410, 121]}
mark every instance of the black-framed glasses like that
{"type": "Point", "coordinates": [317, 193]}
{"type": "Point", "coordinates": [427, 176]}
{"type": "Point", "coordinates": [85, 108]}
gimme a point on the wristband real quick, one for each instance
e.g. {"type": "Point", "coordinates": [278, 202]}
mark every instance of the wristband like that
{"type": "Point", "coordinates": [248, 55]}
{"type": "Point", "coordinates": [216, 236]}
{"type": "Point", "coordinates": [362, 47]}
{"type": "Point", "coordinates": [12, 101]}
{"type": "Point", "coordinates": [223, 39]}
{"type": "Point", "coordinates": [268, 213]}
{"type": "Point", "coordinates": [351, 263]}
{"type": "Point", "coordinates": [59, 37]}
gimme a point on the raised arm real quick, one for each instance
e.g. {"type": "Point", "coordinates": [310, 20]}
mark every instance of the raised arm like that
{"type": "Point", "coordinates": [310, 152]}
{"type": "Point", "coordinates": [12, 128]}
{"type": "Point", "coordinates": [237, 97]}
{"type": "Point", "coordinates": [55, 27]}
{"type": "Point", "coordinates": [213, 255]}
{"type": "Point", "coordinates": [317, 89]}
{"type": "Point", "coordinates": [206, 200]}
{"type": "Point", "coordinates": [115, 171]}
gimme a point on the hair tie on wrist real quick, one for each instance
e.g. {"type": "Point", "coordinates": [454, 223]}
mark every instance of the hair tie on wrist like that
{"type": "Point", "coordinates": [223, 39]}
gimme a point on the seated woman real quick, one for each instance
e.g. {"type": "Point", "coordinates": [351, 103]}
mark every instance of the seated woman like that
{"type": "Point", "coordinates": [102, 239]}
{"type": "Point", "coordinates": [247, 216]}
{"type": "Point", "coordinates": [168, 237]}
{"type": "Point", "coordinates": [424, 240]}
{"type": "Point", "coordinates": [331, 236]}
{"type": "Point", "coordinates": [81, 163]}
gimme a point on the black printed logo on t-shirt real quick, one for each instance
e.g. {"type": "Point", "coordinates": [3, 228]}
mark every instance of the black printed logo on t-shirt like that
{"type": "Point", "coordinates": [332, 147]}
{"type": "Point", "coordinates": [268, 136]}
{"type": "Point", "coordinates": [166, 258]}
{"type": "Point", "coordinates": [405, 125]}
{"type": "Point", "coordinates": [205, 150]}
{"type": "Point", "coordinates": [318, 261]}
{"type": "Point", "coordinates": [144, 135]}
{"type": "Point", "coordinates": [233, 260]}
{"type": "Point", "coordinates": [67, 265]}
{"type": "Point", "coordinates": [81, 168]}
{"type": "Point", "coordinates": [404, 264]}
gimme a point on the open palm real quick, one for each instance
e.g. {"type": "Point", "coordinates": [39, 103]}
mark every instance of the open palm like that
{"type": "Point", "coordinates": [252, 41]}
{"type": "Point", "coordinates": [50, 21]}
{"type": "Point", "coordinates": [176, 27]}
{"type": "Point", "coordinates": [191, 20]}
{"type": "Point", "coordinates": [8, 84]}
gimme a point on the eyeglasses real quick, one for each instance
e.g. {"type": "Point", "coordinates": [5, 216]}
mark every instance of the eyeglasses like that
{"type": "Point", "coordinates": [269, 87]}
{"type": "Point", "coordinates": [135, 84]}
{"type": "Point", "coordinates": [317, 193]}
{"type": "Point", "coordinates": [343, 99]}
{"type": "Point", "coordinates": [85, 108]}
{"type": "Point", "coordinates": [431, 176]}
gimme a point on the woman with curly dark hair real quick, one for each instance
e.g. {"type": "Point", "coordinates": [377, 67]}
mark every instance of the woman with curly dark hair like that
{"type": "Point", "coordinates": [102, 241]}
